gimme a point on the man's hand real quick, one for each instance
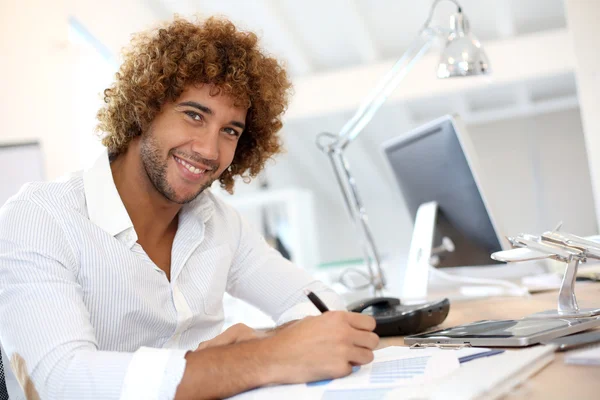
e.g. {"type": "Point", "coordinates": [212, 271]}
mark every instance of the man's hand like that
{"type": "Point", "coordinates": [322, 347]}
{"type": "Point", "coordinates": [234, 334]}
{"type": "Point", "coordinates": [307, 350]}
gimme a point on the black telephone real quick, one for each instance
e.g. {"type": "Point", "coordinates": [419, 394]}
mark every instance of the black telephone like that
{"type": "Point", "coordinates": [396, 319]}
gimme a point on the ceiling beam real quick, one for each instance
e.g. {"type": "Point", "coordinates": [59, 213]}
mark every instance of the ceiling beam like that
{"type": "Point", "coordinates": [462, 105]}
{"type": "Point", "coordinates": [519, 111]}
{"type": "Point", "coordinates": [523, 97]}
{"type": "Point", "coordinates": [344, 90]}
{"type": "Point", "coordinates": [505, 22]}
{"type": "Point", "coordinates": [362, 39]}
{"type": "Point", "coordinates": [296, 55]}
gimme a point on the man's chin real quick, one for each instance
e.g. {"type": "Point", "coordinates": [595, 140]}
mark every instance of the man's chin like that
{"type": "Point", "coordinates": [186, 197]}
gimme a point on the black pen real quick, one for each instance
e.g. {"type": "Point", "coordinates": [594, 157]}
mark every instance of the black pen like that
{"type": "Point", "coordinates": [316, 301]}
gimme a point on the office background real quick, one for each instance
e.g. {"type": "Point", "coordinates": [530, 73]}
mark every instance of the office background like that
{"type": "Point", "coordinates": [533, 121]}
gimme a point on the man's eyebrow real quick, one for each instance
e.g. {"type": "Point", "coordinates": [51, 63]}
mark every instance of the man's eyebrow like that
{"type": "Point", "coordinates": [198, 106]}
{"type": "Point", "coordinates": [240, 125]}
{"type": "Point", "coordinates": [208, 111]}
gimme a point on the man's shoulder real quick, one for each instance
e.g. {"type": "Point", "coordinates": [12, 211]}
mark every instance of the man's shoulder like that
{"type": "Point", "coordinates": [66, 192]}
{"type": "Point", "coordinates": [216, 204]}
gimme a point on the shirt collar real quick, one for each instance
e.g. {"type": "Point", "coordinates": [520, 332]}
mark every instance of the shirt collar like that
{"type": "Point", "coordinates": [104, 205]}
{"type": "Point", "coordinates": [106, 209]}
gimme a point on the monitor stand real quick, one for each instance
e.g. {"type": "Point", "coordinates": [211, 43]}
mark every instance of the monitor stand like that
{"type": "Point", "coordinates": [416, 277]}
{"type": "Point", "coordinates": [431, 226]}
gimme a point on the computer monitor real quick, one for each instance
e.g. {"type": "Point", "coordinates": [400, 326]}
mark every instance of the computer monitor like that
{"type": "Point", "coordinates": [436, 165]}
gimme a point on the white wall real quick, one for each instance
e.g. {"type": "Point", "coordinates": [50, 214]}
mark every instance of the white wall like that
{"type": "Point", "coordinates": [582, 19]}
{"type": "Point", "coordinates": [34, 72]}
{"type": "Point", "coordinates": [36, 69]}
{"type": "Point", "coordinates": [539, 171]}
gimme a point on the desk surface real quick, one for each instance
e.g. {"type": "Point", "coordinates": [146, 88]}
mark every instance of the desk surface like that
{"type": "Point", "coordinates": [556, 381]}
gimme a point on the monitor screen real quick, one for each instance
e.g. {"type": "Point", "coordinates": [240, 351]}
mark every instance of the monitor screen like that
{"type": "Point", "coordinates": [430, 164]}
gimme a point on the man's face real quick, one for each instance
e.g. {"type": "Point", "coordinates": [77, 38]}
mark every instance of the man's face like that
{"type": "Point", "coordinates": [191, 142]}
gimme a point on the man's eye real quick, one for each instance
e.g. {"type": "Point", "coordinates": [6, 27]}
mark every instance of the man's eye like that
{"type": "Point", "coordinates": [194, 115]}
{"type": "Point", "coordinates": [232, 132]}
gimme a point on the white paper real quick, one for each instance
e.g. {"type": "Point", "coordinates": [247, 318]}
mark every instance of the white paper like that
{"type": "Point", "coordinates": [392, 367]}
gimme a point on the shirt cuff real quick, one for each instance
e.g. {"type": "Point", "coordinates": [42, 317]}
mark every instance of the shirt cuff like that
{"type": "Point", "coordinates": [153, 374]}
{"type": "Point", "coordinates": [331, 299]}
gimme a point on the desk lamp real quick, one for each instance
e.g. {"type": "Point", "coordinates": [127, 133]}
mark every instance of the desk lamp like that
{"type": "Point", "coordinates": [462, 56]}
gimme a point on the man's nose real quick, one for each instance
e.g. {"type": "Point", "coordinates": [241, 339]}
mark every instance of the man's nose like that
{"type": "Point", "coordinates": [207, 145]}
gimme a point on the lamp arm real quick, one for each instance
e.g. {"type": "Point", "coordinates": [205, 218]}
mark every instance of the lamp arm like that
{"type": "Point", "coordinates": [377, 97]}
{"type": "Point", "coordinates": [337, 143]}
{"type": "Point", "coordinates": [385, 87]}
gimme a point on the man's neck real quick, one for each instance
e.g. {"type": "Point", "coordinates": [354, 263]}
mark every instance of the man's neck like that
{"type": "Point", "coordinates": [152, 215]}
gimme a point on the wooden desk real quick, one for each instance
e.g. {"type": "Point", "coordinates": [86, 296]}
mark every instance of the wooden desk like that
{"type": "Point", "coordinates": [557, 380]}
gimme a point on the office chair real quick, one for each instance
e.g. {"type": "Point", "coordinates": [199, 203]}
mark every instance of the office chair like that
{"type": "Point", "coordinates": [3, 390]}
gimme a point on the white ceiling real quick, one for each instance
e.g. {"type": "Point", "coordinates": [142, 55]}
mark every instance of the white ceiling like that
{"type": "Point", "coordinates": [313, 36]}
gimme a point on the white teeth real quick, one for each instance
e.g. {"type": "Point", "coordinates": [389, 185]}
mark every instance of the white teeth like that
{"type": "Point", "coordinates": [189, 167]}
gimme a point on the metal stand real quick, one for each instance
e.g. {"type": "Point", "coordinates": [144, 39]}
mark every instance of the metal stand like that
{"type": "Point", "coordinates": [424, 257]}
{"type": "Point", "coordinates": [567, 301]}
{"type": "Point", "coordinates": [559, 246]}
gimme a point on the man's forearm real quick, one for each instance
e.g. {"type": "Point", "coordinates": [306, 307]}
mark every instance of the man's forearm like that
{"type": "Point", "coordinates": [224, 371]}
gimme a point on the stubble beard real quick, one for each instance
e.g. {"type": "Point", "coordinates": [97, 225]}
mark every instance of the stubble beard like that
{"type": "Point", "coordinates": [156, 170]}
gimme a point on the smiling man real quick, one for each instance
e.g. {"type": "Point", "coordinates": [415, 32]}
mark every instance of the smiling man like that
{"type": "Point", "coordinates": [111, 281]}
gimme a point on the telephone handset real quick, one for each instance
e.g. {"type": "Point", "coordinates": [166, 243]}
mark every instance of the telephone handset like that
{"type": "Point", "coordinates": [395, 319]}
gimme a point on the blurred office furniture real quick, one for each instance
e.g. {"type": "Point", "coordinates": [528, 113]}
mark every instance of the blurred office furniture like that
{"type": "Point", "coordinates": [556, 381]}
{"type": "Point", "coordinates": [20, 163]}
{"type": "Point", "coordinates": [296, 209]}
{"type": "Point", "coordinates": [273, 223]}
{"type": "Point", "coordinates": [462, 56]}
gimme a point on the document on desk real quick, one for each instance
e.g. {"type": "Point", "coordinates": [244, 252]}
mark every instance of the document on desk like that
{"type": "Point", "coordinates": [484, 378]}
{"type": "Point", "coordinates": [392, 367]}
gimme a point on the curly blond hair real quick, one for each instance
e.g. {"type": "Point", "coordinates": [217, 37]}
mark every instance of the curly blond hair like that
{"type": "Point", "coordinates": [162, 62]}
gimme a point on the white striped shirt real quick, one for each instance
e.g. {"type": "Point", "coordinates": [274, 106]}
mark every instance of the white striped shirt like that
{"type": "Point", "coordinates": [90, 316]}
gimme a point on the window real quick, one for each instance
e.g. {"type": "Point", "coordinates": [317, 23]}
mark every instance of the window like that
{"type": "Point", "coordinates": [93, 71]}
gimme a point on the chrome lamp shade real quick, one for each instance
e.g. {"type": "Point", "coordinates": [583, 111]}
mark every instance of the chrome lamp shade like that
{"type": "Point", "coordinates": [462, 55]}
